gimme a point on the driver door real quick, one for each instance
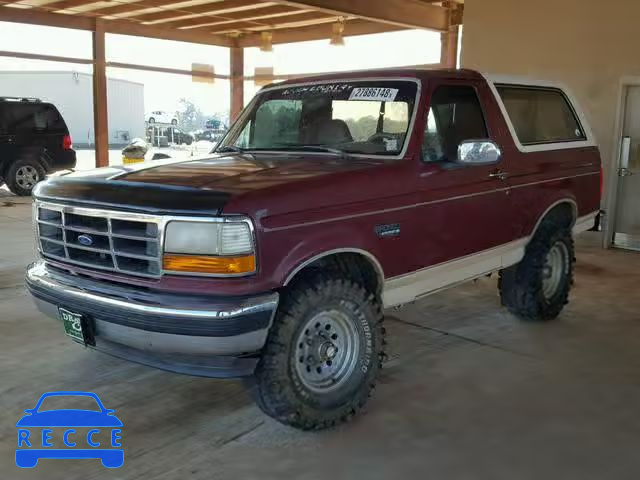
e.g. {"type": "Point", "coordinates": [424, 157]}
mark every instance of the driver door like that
{"type": "Point", "coordinates": [467, 207]}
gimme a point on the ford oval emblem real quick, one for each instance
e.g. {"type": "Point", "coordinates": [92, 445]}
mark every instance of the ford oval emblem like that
{"type": "Point", "coordinates": [85, 240]}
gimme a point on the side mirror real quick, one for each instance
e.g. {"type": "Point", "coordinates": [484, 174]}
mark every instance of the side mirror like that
{"type": "Point", "coordinates": [478, 152]}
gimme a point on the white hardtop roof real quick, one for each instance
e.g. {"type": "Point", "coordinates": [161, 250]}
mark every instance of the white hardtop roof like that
{"type": "Point", "coordinates": [497, 79]}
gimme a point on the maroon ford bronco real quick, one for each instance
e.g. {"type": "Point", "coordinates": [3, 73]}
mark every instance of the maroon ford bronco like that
{"type": "Point", "coordinates": [329, 199]}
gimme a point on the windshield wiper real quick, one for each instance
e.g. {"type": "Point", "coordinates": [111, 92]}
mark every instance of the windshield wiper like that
{"type": "Point", "coordinates": [313, 148]}
{"type": "Point", "coordinates": [230, 148]}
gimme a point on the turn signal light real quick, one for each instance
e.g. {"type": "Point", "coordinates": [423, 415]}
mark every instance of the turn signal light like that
{"type": "Point", "coordinates": [209, 264]}
{"type": "Point", "coordinates": [67, 144]}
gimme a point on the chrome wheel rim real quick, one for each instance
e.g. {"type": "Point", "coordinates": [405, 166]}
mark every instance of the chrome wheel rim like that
{"type": "Point", "coordinates": [326, 351]}
{"type": "Point", "coordinates": [27, 177]}
{"type": "Point", "coordinates": [554, 269]}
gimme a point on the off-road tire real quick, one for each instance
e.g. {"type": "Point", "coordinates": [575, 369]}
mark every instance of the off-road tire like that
{"type": "Point", "coordinates": [15, 184]}
{"type": "Point", "coordinates": [521, 286]}
{"type": "Point", "coordinates": [276, 385]}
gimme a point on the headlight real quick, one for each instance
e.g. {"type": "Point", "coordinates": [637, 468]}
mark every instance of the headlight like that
{"type": "Point", "coordinates": [224, 248]}
{"type": "Point", "coordinates": [235, 238]}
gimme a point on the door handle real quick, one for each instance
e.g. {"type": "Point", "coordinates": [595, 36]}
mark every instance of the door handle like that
{"type": "Point", "coordinates": [625, 172]}
{"type": "Point", "coordinates": [500, 175]}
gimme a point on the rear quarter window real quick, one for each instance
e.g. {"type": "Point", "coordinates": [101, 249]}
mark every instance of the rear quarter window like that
{"type": "Point", "coordinates": [541, 115]}
{"type": "Point", "coordinates": [33, 118]}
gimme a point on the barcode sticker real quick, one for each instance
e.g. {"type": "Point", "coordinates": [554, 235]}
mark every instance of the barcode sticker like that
{"type": "Point", "coordinates": [377, 94]}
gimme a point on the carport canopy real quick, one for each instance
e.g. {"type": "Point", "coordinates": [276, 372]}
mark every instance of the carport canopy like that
{"type": "Point", "coordinates": [234, 24]}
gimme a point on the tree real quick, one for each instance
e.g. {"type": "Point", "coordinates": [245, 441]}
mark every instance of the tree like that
{"type": "Point", "coordinates": [190, 117]}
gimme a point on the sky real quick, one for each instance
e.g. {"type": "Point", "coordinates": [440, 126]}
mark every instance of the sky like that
{"type": "Point", "coordinates": [162, 91]}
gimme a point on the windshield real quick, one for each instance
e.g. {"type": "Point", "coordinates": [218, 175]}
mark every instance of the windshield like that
{"type": "Point", "coordinates": [368, 117]}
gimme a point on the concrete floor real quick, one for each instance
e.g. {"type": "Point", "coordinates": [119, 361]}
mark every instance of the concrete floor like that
{"type": "Point", "coordinates": [469, 392]}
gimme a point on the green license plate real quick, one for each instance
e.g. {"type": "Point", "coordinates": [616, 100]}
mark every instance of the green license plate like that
{"type": "Point", "coordinates": [72, 324]}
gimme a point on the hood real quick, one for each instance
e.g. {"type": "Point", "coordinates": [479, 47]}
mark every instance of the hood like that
{"type": "Point", "coordinates": [199, 186]}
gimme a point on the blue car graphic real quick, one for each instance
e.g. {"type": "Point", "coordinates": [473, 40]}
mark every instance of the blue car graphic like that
{"type": "Point", "coordinates": [28, 452]}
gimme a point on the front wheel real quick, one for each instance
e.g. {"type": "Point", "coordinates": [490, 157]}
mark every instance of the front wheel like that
{"type": "Point", "coordinates": [323, 353]}
{"type": "Point", "coordinates": [538, 287]}
{"type": "Point", "coordinates": [23, 175]}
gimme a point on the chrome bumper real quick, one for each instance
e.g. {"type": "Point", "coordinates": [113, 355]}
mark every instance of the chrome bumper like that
{"type": "Point", "coordinates": [175, 330]}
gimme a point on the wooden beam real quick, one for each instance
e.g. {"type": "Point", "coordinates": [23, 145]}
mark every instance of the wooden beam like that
{"type": "Point", "coordinates": [69, 4]}
{"type": "Point", "coordinates": [129, 7]}
{"type": "Point", "coordinates": [449, 47]}
{"type": "Point", "coordinates": [47, 58]}
{"type": "Point", "coordinates": [289, 21]}
{"type": "Point", "coordinates": [100, 116]}
{"type": "Point", "coordinates": [457, 13]}
{"type": "Point", "coordinates": [403, 13]}
{"type": "Point", "coordinates": [35, 17]}
{"type": "Point", "coordinates": [206, 19]}
{"type": "Point", "coordinates": [173, 71]}
{"type": "Point", "coordinates": [123, 27]}
{"type": "Point", "coordinates": [237, 81]}
{"type": "Point", "coordinates": [318, 32]}
{"type": "Point", "coordinates": [449, 38]}
{"type": "Point", "coordinates": [226, 6]}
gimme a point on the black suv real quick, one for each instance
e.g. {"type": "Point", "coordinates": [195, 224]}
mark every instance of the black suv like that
{"type": "Point", "coordinates": [34, 141]}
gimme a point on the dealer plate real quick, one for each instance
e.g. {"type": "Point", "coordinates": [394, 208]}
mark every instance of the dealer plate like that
{"type": "Point", "coordinates": [72, 324]}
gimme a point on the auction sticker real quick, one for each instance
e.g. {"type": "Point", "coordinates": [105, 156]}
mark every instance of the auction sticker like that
{"type": "Point", "coordinates": [378, 94]}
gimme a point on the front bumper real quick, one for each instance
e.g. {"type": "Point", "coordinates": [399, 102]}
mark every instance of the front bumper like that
{"type": "Point", "coordinates": [192, 334]}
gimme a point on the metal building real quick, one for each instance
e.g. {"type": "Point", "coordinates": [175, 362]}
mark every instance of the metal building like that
{"type": "Point", "coordinates": [72, 93]}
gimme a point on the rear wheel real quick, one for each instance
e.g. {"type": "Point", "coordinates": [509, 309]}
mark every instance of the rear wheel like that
{"type": "Point", "coordinates": [23, 175]}
{"type": "Point", "coordinates": [538, 287]}
{"type": "Point", "coordinates": [323, 353]}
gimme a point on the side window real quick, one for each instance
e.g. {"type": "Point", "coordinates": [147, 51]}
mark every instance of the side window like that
{"type": "Point", "coordinates": [35, 118]}
{"type": "Point", "coordinates": [455, 115]}
{"type": "Point", "coordinates": [540, 115]}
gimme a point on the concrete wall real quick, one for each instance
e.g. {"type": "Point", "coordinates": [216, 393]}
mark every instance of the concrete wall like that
{"type": "Point", "coordinates": [588, 44]}
{"type": "Point", "coordinates": [72, 94]}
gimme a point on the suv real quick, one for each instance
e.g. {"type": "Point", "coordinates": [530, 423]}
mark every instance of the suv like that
{"type": "Point", "coordinates": [34, 141]}
{"type": "Point", "coordinates": [329, 199]}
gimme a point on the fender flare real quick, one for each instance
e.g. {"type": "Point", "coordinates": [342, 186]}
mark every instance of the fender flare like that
{"type": "Point", "coordinates": [574, 214]}
{"type": "Point", "coordinates": [368, 255]}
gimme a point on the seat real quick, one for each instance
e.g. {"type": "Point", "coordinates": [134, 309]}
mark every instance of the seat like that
{"type": "Point", "coordinates": [328, 132]}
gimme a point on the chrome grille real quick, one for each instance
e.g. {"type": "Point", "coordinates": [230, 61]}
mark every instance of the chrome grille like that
{"type": "Point", "coordinates": [101, 239]}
